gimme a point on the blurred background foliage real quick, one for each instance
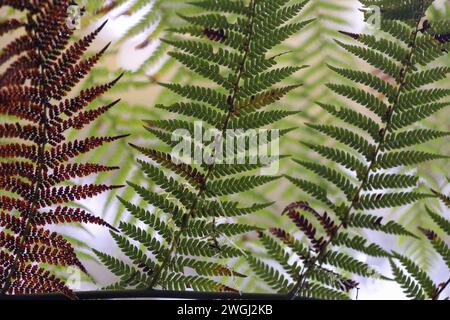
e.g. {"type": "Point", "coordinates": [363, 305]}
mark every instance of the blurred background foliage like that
{"type": "Point", "coordinates": [135, 29]}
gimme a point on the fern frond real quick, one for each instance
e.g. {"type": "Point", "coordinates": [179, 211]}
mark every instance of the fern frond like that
{"type": "Point", "coordinates": [400, 54]}
{"type": "Point", "coordinates": [359, 243]}
{"type": "Point", "coordinates": [316, 291]}
{"type": "Point", "coordinates": [41, 68]}
{"type": "Point", "coordinates": [371, 222]}
{"type": "Point", "coordinates": [269, 275]}
{"type": "Point", "coordinates": [186, 230]}
{"type": "Point", "coordinates": [408, 285]}
{"type": "Point", "coordinates": [421, 277]}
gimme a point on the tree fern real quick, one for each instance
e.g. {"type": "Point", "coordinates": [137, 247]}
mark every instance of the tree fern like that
{"type": "Point", "coordinates": [189, 194]}
{"type": "Point", "coordinates": [382, 142]}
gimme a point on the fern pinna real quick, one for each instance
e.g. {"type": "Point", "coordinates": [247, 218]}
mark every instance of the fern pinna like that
{"type": "Point", "coordinates": [41, 68]}
{"type": "Point", "coordinates": [377, 148]}
{"type": "Point", "coordinates": [419, 285]}
{"type": "Point", "coordinates": [193, 227]}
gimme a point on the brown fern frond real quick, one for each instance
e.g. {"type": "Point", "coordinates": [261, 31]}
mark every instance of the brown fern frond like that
{"type": "Point", "coordinates": [325, 220]}
{"type": "Point", "coordinates": [16, 130]}
{"type": "Point", "coordinates": [430, 234]}
{"type": "Point", "coordinates": [25, 169]}
{"type": "Point", "coordinates": [73, 54]}
{"type": "Point", "coordinates": [23, 68]}
{"type": "Point", "coordinates": [65, 194]}
{"type": "Point", "coordinates": [62, 215]}
{"type": "Point", "coordinates": [215, 35]}
{"type": "Point", "coordinates": [41, 68]}
{"type": "Point", "coordinates": [15, 48]}
{"type": "Point", "coordinates": [20, 4]}
{"type": "Point", "coordinates": [70, 171]}
{"type": "Point", "coordinates": [31, 279]}
{"type": "Point", "coordinates": [25, 110]}
{"type": "Point", "coordinates": [81, 119]}
{"type": "Point", "coordinates": [304, 225]}
{"type": "Point", "coordinates": [8, 203]}
{"type": "Point", "coordinates": [17, 150]}
{"type": "Point", "coordinates": [10, 25]}
{"type": "Point", "coordinates": [11, 222]}
{"type": "Point", "coordinates": [17, 186]}
{"type": "Point", "coordinates": [63, 82]}
{"type": "Point", "coordinates": [66, 151]}
{"type": "Point", "coordinates": [73, 105]}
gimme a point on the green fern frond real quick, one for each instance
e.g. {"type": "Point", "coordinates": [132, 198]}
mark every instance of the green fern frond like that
{"type": "Point", "coordinates": [381, 181]}
{"type": "Point", "coordinates": [421, 277]}
{"type": "Point", "coordinates": [400, 54]}
{"type": "Point", "coordinates": [317, 291]}
{"type": "Point", "coordinates": [237, 185]}
{"type": "Point", "coordinates": [186, 229]}
{"type": "Point", "coordinates": [409, 286]}
{"type": "Point", "coordinates": [443, 223]}
{"type": "Point", "coordinates": [269, 275]}
{"type": "Point", "coordinates": [359, 243]}
{"type": "Point", "coordinates": [348, 263]}
{"type": "Point", "coordinates": [445, 199]}
{"type": "Point", "coordinates": [371, 222]}
{"type": "Point", "coordinates": [419, 284]}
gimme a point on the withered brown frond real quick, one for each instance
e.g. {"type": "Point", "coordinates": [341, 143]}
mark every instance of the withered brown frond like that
{"type": "Point", "coordinates": [40, 69]}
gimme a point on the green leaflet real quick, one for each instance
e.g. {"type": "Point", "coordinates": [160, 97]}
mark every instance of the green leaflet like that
{"type": "Point", "coordinates": [360, 244]}
{"type": "Point", "coordinates": [409, 286]}
{"type": "Point", "coordinates": [383, 181]}
{"type": "Point", "coordinates": [237, 185]}
{"type": "Point", "coordinates": [200, 94]}
{"type": "Point", "coordinates": [354, 118]}
{"type": "Point", "coordinates": [316, 191]}
{"type": "Point", "coordinates": [348, 263]}
{"type": "Point", "coordinates": [371, 222]}
{"type": "Point", "coordinates": [374, 58]}
{"type": "Point", "coordinates": [443, 223]}
{"type": "Point", "coordinates": [388, 200]}
{"type": "Point", "coordinates": [405, 158]}
{"type": "Point", "coordinates": [367, 79]}
{"type": "Point", "coordinates": [366, 99]}
{"type": "Point", "coordinates": [317, 291]}
{"type": "Point", "coordinates": [278, 253]}
{"type": "Point", "coordinates": [269, 275]}
{"type": "Point", "coordinates": [341, 181]}
{"type": "Point", "coordinates": [421, 277]}
{"type": "Point", "coordinates": [347, 137]}
{"type": "Point", "coordinates": [339, 156]}
{"type": "Point", "coordinates": [408, 11]}
{"type": "Point", "coordinates": [412, 137]}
